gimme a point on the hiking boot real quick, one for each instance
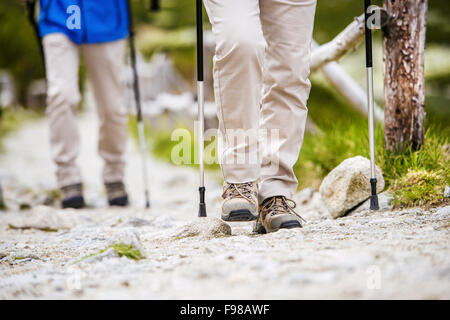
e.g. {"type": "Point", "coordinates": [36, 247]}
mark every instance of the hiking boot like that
{"type": "Point", "coordinates": [73, 196]}
{"type": "Point", "coordinates": [240, 201]}
{"type": "Point", "coordinates": [277, 213]}
{"type": "Point", "coordinates": [117, 195]}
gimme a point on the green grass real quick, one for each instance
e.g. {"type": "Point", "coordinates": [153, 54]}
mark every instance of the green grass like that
{"type": "Point", "coordinates": [419, 178]}
{"type": "Point", "coordinates": [161, 144]}
{"type": "Point", "coordinates": [122, 249]}
{"type": "Point", "coordinates": [343, 135]}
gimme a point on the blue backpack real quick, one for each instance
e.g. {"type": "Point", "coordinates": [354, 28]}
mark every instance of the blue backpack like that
{"type": "Point", "coordinates": [85, 21]}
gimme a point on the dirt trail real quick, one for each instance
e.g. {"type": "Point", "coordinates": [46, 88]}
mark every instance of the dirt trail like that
{"type": "Point", "coordinates": [368, 255]}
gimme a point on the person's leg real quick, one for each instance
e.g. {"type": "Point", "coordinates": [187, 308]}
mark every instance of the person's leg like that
{"type": "Point", "coordinates": [106, 63]}
{"type": "Point", "coordinates": [287, 26]}
{"type": "Point", "coordinates": [63, 97]}
{"type": "Point", "coordinates": [238, 68]}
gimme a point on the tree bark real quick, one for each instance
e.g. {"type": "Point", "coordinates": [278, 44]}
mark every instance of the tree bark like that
{"type": "Point", "coordinates": [404, 50]}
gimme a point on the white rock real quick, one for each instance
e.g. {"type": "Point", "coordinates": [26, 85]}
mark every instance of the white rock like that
{"type": "Point", "coordinates": [348, 184]}
{"type": "Point", "coordinates": [110, 253]}
{"type": "Point", "coordinates": [447, 192]}
{"type": "Point", "coordinates": [444, 212]}
{"type": "Point", "coordinates": [47, 218]}
{"type": "Point", "coordinates": [127, 236]}
{"type": "Point", "coordinates": [204, 228]}
{"type": "Point", "coordinates": [136, 222]}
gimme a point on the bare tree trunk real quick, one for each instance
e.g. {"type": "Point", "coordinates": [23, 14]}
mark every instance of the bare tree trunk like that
{"type": "Point", "coordinates": [404, 49]}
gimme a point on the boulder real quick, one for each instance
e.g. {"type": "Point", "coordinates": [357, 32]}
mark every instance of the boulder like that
{"type": "Point", "coordinates": [348, 185]}
{"type": "Point", "coordinates": [46, 219]}
{"type": "Point", "coordinates": [127, 236]}
{"type": "Point", "coordinates": [203, 227]}
{"type": "Point", "coordinates": [108, 254]}
{"type": "Point", "coordinates": [447, 192]}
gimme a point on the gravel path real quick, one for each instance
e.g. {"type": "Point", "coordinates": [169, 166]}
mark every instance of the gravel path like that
{"type": "Point", "coordinates": [390, 254]}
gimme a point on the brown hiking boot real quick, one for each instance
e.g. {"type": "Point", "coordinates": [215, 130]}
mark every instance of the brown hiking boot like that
{"type": "Point", "coordinates": [73, 196]}
{"type": "Point", "coordinates": [117, 195]}
{"type": "Point", "coordinates": [240, 201]}
{"type": "Point", "coordinates": [277, 213]}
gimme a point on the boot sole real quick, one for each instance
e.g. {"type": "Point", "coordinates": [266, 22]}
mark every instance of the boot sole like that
{"type": "Point", "coordinates": [286, 225]}
{"type": "Point", "coordinates": [76, 202]}
{"type": "Point", "coordinates": [290, 225]}
{"type": "Point", "coordinates": [119, 202]}
{"type": "Point", "coordinates": [239, 215]}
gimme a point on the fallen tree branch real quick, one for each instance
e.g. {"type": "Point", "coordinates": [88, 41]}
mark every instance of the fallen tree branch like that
{"type": "Point", "coordinates": [325, 56]}
{"type": "Point", "coordinates": [345, 41]}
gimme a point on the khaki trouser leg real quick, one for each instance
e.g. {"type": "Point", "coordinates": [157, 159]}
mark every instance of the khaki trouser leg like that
{"type": "Point", "coordinates": [262, 45]}
{"type": "Point", "coordinates": [63, 97]}
{"type": "Point", "coordinates": [287, 27]}
{"type": "Point", "coordinates": [238, 64]}
{"type": "Point", "coordinates": [105, 63]}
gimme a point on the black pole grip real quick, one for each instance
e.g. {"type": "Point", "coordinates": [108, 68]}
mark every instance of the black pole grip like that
{"type": "Point", "coordinates": [374, 197]}
{"type": "Point", "coordinates": [368, 33]}
{"type": "Point", "coordinates": [202, 205]}
{"type": "Point", "coordinates": [136, 89]}
{"type": "Point", "coordinates": [154, 5]}
{"type": "Point", "coordinates": [31, 12]}
{"type": "Point", "coordinates": [199, 19]}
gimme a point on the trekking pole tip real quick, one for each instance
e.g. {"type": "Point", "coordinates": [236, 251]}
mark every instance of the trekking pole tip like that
{"type": "Point", "coordinates": [374, 197]}
{"type": "Point", "coordinates": [202, 210]}
{"type": "Point", "coordinates": [147, 199]}
{"type": "Point", "coordinates": [202, 205]}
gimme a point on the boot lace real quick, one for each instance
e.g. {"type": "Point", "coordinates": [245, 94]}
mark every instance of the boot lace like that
{"type": "Point", "coordinates": [115, 189]}
{"type": "Point", "coordinates": [280, 205]}
{"type": "Point", "coordinates": [239, 190]}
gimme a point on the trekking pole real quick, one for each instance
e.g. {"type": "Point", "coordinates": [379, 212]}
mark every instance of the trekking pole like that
{"type": "Point", "coordinates": [370, 103]}
{"type": "Point", "coordinates": [154, 5]}
{"type": "Point", "coordinates": [200, 101]}
{"type": "Point", "coordinates": [31, 12]}
{"type": "Point", "coordinates": [137, 97]}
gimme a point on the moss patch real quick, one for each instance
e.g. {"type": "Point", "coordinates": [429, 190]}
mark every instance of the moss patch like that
{"type": "Point", "coordinates": [419, 188]}
{"type": "Point", "coordinates": [128, 251]}
{"type": "Point", "coordinates": [13, 227]}
{"type": "Point", "coordinates": [122, 250]}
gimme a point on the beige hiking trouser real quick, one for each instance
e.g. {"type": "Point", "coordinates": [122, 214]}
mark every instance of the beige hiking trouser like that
{"type": "Point", "coordinates": [261, 70]}
{"type": "Point", "coordinates": [105, 63]}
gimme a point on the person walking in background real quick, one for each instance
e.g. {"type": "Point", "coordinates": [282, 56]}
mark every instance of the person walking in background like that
{"type": "Point", "coordinates": [261, 70]}
{"type": "Point", "coordinates": [97, 29]}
